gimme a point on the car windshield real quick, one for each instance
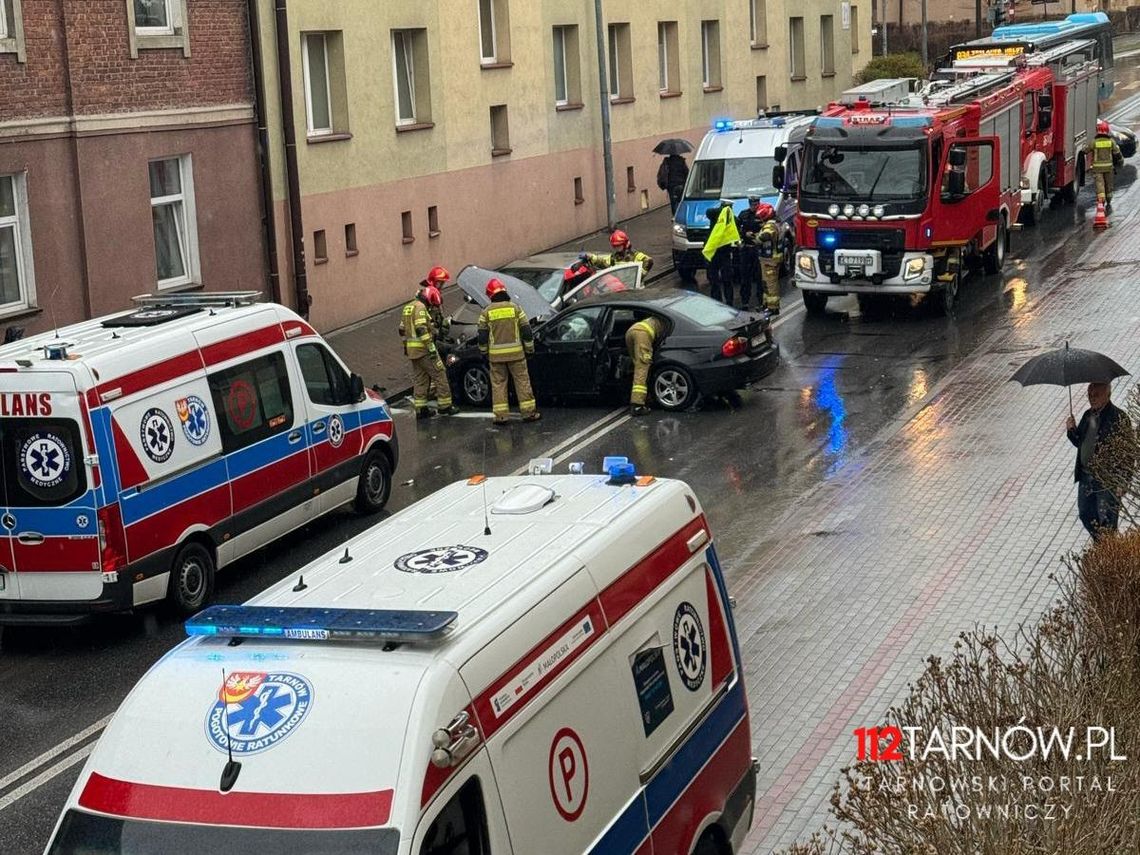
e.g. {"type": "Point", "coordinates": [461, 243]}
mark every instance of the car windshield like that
{"type": "Point", "coordinates": [546, 280]}
{"type": "Point", "coordinates": [86, 834]}
{"type": "Point", "coordinates": [703, 310]}
{"type": "Point", "coordinates": [734, 178]}
{"type": "Point", "coordinates": [881, 173]}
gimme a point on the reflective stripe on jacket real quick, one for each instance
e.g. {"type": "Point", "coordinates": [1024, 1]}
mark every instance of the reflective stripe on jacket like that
{"type": "Point", "coordinates": [769, 240]}
{"type": "Point", "coordinates": [504, 332]}
{"type": "Point", "coordinates": [416, 330]}
{"type": "Point", "coordinates": [652, 326]}
{"type": "Point", "coordinates": [1104, 153]}
{"type": "Point", "coordinates": [602, 261]}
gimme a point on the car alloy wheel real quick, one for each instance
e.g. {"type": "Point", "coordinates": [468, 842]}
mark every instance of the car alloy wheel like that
{"type": "Point", "coordinates": [673, 388]}
{"type": "Point", "coordinates": [477, 384]}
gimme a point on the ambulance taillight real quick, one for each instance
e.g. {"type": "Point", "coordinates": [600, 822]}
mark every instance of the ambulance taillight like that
{"type": "Point", "coordinates": [112, 541]}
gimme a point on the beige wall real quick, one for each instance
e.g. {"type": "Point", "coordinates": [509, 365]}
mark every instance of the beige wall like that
{"type": "Point", "coordinates": [493, 209]}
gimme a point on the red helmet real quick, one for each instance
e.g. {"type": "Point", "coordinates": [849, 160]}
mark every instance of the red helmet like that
{"type": "Point", "coordinates": [764, 211]}
{"type": "Point", "coordinates": [438, 275]}
{"type": "Point", "coordinates": [1102, 127]}
{"type": "Point", "coordinates": [619, 239]}
{"type": "Point", "coordinates": [494, 286]}
{"type": "Point", "coordinates": [432, 296]}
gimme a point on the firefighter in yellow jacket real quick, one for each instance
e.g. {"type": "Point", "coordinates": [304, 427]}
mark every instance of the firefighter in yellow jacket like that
{"type": "Point", "coordinates": [622, 254]}
{"type": "Point", "coordinates": [505, 338]}
{"type": "Point", "coordinates": [419, 334]}
{"type": "Point", "coordinates": [1106, 157]}
{"type": "Point", "coordinates": [640, 340]}
{"type": "Point", "coordinates": [771, 246]}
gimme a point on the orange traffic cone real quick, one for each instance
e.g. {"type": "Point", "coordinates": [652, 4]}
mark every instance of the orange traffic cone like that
{"type": "Point", "coordinates": [1100, 223]}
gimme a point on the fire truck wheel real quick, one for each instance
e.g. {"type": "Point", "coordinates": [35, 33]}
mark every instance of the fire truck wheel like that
{"type": "Point", "coordinates": [814, 302]}
{"type": "Point", "coordinates": [994, 258]}
{"type": "Point", "coordinates": [1031, 214]}
{"type": "Point", "coordinates": [191, 578]}
{"type": "Point", "coordinates": [375, 483]}
{"type": "Point", "coordinates": [950, 292]}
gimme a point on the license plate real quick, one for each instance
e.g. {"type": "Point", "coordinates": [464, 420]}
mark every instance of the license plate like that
{"type": "Point", "coordinates": [850, 261]}
{"type": "Point", "coordinates": [758, 341]}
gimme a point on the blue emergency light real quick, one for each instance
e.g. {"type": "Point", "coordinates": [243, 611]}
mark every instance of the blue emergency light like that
{"type": "Point", "coordinates": [828, 239]}
{"type": "Point", "coordinates": [722, 125]}
{"type": "Point", "coordinates": [293, 623]}
{"type": "Point", "coordinates": [620, 470]}
{"type": "Point", "coordinates": [912, 121]}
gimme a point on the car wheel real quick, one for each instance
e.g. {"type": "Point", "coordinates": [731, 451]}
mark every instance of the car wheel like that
{"type": "Point", "coordinates": [476, 383]}
{"type": "Point", "coordinates": [994, 258]}
{"type": "Point", "coordinates": [191, 578]}
{"type": "Point", "coordinates": [375, 483]}
{"type": "Point", "coordinates": [814, 301]}
{"type": "Point", "coordinates": [674, 388]}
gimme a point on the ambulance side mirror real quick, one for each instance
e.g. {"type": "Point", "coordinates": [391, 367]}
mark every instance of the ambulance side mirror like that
{"type": "Point", "coordinates": [355, 388]}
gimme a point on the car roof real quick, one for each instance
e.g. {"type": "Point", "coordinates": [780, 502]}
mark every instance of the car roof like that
{"type": "Point", "coordinates": [551, 260]}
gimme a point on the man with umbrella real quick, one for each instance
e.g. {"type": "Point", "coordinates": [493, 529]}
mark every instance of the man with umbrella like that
{"type": "Point", "coordinates": [673, 172]}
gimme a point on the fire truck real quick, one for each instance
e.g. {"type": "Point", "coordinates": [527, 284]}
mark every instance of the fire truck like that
{"type": "Point", "coordinates": [902, 186]}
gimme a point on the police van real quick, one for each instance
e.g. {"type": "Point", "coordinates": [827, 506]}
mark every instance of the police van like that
{"type": "Point", "coordinates": [532, 665]}
{"type": "Point", "coordinates": [735, 160]}
{"type": "Point", "coordinates": [142, 451]}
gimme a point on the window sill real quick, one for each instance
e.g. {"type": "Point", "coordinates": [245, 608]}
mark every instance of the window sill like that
{"type": "Point", "coordinates": [323, 259]}
{"type": "Point", "coordinates": [489, 66]}
{"type": "Point", "coordinates": [351, 253]}
{"type": "Point", "coordinates": [161, 41]}
{"type": "Point", "coordinates": [19, 314]}
{"type": "Point", "coordinates": [179, 287]}
{"type": "Point", "coordinates": [798, 78]}
{"type": "Point", "coordinates": [827, 74]}
{"type": "Point", "coordinates": [579, 201]}
{"type": "Point", "coordinates": [622, 99]}
{"type": "Point", "coordinates": [415, 126]}
{"type": "Point", "coordinates": [759, 46]}
{"type": "Point", "coordinates": [707, 89]}
{"type": "Point", "coordinates": [669, 93]}
{"type": "Point", "coordinates": [500, 152]}
{"type": "Point", "coordinates": [434, 234]}
{"type": "Point", "coordinates": [575, 105]}
{"type": "Point", "coordinates": [313, 139]}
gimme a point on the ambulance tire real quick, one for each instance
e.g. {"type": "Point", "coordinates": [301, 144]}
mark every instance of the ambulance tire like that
{"type": "Point", "coordinates": [709, 845]}
{"type": "Point", "coordinates": [375, 483]}
{"type": "Point", "coordinates": [191, 578]}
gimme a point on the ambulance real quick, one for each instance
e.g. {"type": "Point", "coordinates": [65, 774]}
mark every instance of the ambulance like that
{"type": "Point", "coordinates": [142, 451]}
{"type": "Point", "coordinates": [527, 665]}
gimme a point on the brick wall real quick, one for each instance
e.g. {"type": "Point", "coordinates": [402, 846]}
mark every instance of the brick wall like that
{"type": "Point", "coordinates": [105, 79]}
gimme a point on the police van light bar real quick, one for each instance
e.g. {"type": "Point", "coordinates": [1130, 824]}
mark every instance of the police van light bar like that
{"type": "Point", "coordinates": [293, 623]}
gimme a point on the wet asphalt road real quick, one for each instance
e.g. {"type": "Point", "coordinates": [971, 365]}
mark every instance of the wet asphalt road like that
{"type": "Point", "coordinates": [843, 379]}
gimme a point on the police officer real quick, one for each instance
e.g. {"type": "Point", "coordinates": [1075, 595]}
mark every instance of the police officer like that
{"type": "Point", "coordinates": [720, 269]}
{"type": "Point", "coordinates": [640, 340]}
{"type": "Point", "coordinates": [771, 245]}
{"type": "Point", "coordinates": [505, 338]}
{"type": "Point", "coordinates": [623, 252]}
{"type": "Point", "coordinates": [419, 334]}
{"type": "Point", "coordinates": [748, 256]}
{"type": "Point", "coordinates": [1106, 157]}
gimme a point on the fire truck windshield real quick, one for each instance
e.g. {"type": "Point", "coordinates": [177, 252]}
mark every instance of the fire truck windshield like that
{"type": "Point", "coordinates": [865, 174]}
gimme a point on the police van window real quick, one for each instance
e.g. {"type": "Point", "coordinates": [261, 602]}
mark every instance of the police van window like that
{"type": "Point", "coordinates": [42, 462]}
{"type": "Point", "coordinates": [460, 828]}
{"type": "Point", "coordinates": [254, 400]}
{"type": "Point", "coordinates": [325, 380]}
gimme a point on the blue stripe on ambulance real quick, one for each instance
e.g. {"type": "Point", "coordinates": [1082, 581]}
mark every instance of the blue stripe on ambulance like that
{"type": "Point", "coordinates": [61, 521]}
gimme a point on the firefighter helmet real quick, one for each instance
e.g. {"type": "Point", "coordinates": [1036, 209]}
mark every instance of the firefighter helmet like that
{"type": "Point", "coordinates": [764, 211]}
{"type": "Point", "coordinates": [432, 296]}
{"type": "Point", "coordinates": [619, 239]}
{"type": "Point", "coordinates": [1102, 127]}
{"type": "Point", "coordinates": [438, 275]}
{"type": "Point", "coordinates": [495, 286]}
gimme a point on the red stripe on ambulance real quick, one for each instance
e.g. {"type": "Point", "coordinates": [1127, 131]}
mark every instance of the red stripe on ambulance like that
{"type": "Point", "coordinates": [242, 345]}
{"type": "Point", "coordinates": [259, 810]}
{"type": "Point", "coordinates": [720, 649]}
{"type": "Point", "coordinates": [131, 470]}
{"type": "Point", "coordinates": [59, 554]}
{"type": "Point", "coordinates": [157, 531]}
{"type": "Point", "coordinates": [152, 375]}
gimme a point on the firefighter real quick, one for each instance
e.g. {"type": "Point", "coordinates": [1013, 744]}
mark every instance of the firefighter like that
{"type": "Point", "coordinates": [623, 252]}
{"type": "Point", "coordinates": [437, 277]}
{"type": "Point", "coordinates": [505, 338]}
{"type": "Point", "coordinates": [419, 334]}
{"type": "Point", "coordinates": [770, 243]}
{"type": "Point", "coordinates": [1106, 157]}
{"type": "Point", "coordinates": [748, 255]}
{"type": "Point", "coordinates": [640, 340]}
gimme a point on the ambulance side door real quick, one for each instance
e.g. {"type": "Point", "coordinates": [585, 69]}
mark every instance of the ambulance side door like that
{"type": "Point", "coordinates": [466, 816]}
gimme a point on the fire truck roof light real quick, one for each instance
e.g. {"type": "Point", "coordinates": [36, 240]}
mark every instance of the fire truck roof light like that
{"type": "Point", "coordinates": [913, 121]}
{"type": "Point", "coordinates": [292, 623]}
{"type": "Point", "coordinates": [829, 122]}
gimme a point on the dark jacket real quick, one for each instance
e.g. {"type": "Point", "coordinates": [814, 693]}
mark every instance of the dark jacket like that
{"type": "Point", "coordinates": [748, 224]}
{"type": "Point", "coordinates": [1112, 419]}
{"type": "Point", "coordinates": [673, 172]}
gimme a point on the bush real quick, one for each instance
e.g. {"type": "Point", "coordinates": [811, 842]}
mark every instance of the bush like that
{"type": "Point", "coordinates": [892, 65]}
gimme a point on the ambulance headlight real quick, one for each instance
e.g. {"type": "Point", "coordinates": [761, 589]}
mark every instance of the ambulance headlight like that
{"type": "Point", "coordinates": [914, 268]}
{"type": "Point", "coordinates": [833, 210]}
{"type": "Point", "coordinates": [848, 210]}
{"type": "Point", "coordinates": [878, 210]}
{"type": "Point", "coordinates": [864, 210]}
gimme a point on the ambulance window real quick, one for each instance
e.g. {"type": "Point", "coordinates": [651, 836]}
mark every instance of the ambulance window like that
{"type": "Point", "coordinates": [460, 828]}
{"type": "Point", "coordinates": [42, 462]}
{"type": "Point", "coordinates": [325, 380]}
{"type": "Point", "coordinates": [253, 399]}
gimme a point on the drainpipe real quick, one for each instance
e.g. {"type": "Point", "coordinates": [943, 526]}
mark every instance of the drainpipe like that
{"type": "Point", "coordinates": [268, 221]}
{"type": "Point", "coordinates": [293, 180]}
{"type": "Point", "coordinates": [607, 142]}
{"type": "Point", "coordinates": [73, 144]}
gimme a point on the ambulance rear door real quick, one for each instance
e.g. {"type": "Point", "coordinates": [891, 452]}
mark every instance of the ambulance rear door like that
{"type": "Point", "coordinates": [48, 527]}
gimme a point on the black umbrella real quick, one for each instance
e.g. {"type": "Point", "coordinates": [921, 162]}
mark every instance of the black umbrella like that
{"type": "Point", "coordinates": [673, 146]}
{"type": "Point", "coordinates": [1066, 367]}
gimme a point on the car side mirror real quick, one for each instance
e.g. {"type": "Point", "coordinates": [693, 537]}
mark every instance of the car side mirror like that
{"type": "Point", "coordinates": [355, 388]}
{"type": "Point", "coordinates": [778, 176]}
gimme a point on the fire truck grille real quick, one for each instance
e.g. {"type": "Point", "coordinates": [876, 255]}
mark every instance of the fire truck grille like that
{"type": "Point", "coordinates": [886, 240]}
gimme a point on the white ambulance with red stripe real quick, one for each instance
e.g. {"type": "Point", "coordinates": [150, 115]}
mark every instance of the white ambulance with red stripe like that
{"type": "Point", "coordinates": [525, 665]}
{"type": "Point", "coordinates": [142, 451]}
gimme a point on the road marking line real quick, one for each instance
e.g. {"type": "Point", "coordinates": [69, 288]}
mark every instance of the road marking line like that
{"type": "Point", "coordinates": [590, 440]}
{"type": "Point", "coordinates": [35, 763]}
{"type": "Point", "coordinates": [48, 774]}
{"type": "Point", "coordinates": [556, 449]}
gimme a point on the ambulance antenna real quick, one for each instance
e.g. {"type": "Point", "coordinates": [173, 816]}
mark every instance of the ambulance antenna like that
{"type": "Point", "coordinates": [232, 768]}
{"type": "Point", "coordinates": [486, 519]}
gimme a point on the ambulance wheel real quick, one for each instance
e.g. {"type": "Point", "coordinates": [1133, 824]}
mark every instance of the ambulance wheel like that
{"type": "Point", "coordinates": [375, 483]}
{"type": "Point", "coordinates": [191, 578]}
{"type": "Point", "coordinates": [814, 301]}
{"type": "Point", "coordinates": [708, 845]}
{"type": "Point", "coordinates": [673, 388]}
{"type": "Point", "coordinates": [994, 258]}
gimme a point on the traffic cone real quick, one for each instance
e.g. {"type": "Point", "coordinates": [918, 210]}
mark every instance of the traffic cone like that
{"type": "Point", "coordinates": [1100, 223]}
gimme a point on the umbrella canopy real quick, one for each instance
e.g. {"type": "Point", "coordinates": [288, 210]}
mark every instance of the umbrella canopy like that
{"type": "Point", "coordinates": [1067, 367]}
{"type": "Point", "coordinates": [673, 146]}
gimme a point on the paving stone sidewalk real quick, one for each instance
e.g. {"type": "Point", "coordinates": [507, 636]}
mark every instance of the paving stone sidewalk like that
{"type": "Point", "coordinates": [372, 348]}
{"type": "Point", "coordinates": [951, 518]}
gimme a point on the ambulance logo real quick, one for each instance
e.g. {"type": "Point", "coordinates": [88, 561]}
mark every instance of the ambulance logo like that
{"type": "Point", "coordinates": [689, 646]}
{"type": "Point", "coordinates": [195, 418]}
{"type": "Point", "coordinates": [157, 434]}
{"type": "Point", "coordinates": [441, 559]}
{"type": "Point", "coordinates": [45, 460]}
{"type": "Point", "coordinates": [336, 431]}
{"type": "Point", "coordinates": [256, 710]}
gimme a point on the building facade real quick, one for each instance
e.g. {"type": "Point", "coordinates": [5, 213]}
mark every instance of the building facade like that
{"type": "Point", "coordinates": [128, 157]}
{"type": "Point", "coordinates": [469, 131]}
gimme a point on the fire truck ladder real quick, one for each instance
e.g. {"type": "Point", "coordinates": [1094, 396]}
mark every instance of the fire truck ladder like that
{"type": "Point", "coordinates": [966, 90]}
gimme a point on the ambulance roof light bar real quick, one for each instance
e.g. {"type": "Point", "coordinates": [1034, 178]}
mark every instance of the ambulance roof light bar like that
{"type": "Point", "coordinates": [204, 299]}
{"type": "Point", "coordinates": [301, 623]}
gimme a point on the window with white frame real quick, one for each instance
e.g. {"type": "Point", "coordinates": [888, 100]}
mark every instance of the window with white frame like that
{"type": "Point", "coordinates": [5, 27]}
{"type": "Point", "coordinates": [175, 229]}
{"type": "Point", "coordinates": [561, 88]}
{"type": "Point", "coordinates": [668, 58]}
{"type": "Point", "coordinates": [710, 54]}
{"type": "Point", "coordinates": [12, 29]}
{"type": "Point", "coordinates": [487, 52]}
{"type": "Point", "coordinates": [17, 289]}
{"type": "Point", "coordinates": [404, 73]}
{"type": "Point", "coordinates": [157, 24]}
{"type": "Point", "coordinates": [567, 67]}
{"type": "Point", "coordinates": [620, 62]}
{"type": "Point", "coordinates": [758, 22]}
{"type": "Point", "coordinates": [156, 17]}
{"type": "Point", "coordinates": [318, 93]}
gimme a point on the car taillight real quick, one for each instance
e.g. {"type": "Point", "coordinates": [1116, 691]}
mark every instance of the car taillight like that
{"type": "Point", "coordinates": [112, 542]}
{"type": "Point", "coordinates": [735, 346]}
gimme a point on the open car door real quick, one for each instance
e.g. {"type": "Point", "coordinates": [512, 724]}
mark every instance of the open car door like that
{"type": "Point", "coordinates": [621, 277]}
